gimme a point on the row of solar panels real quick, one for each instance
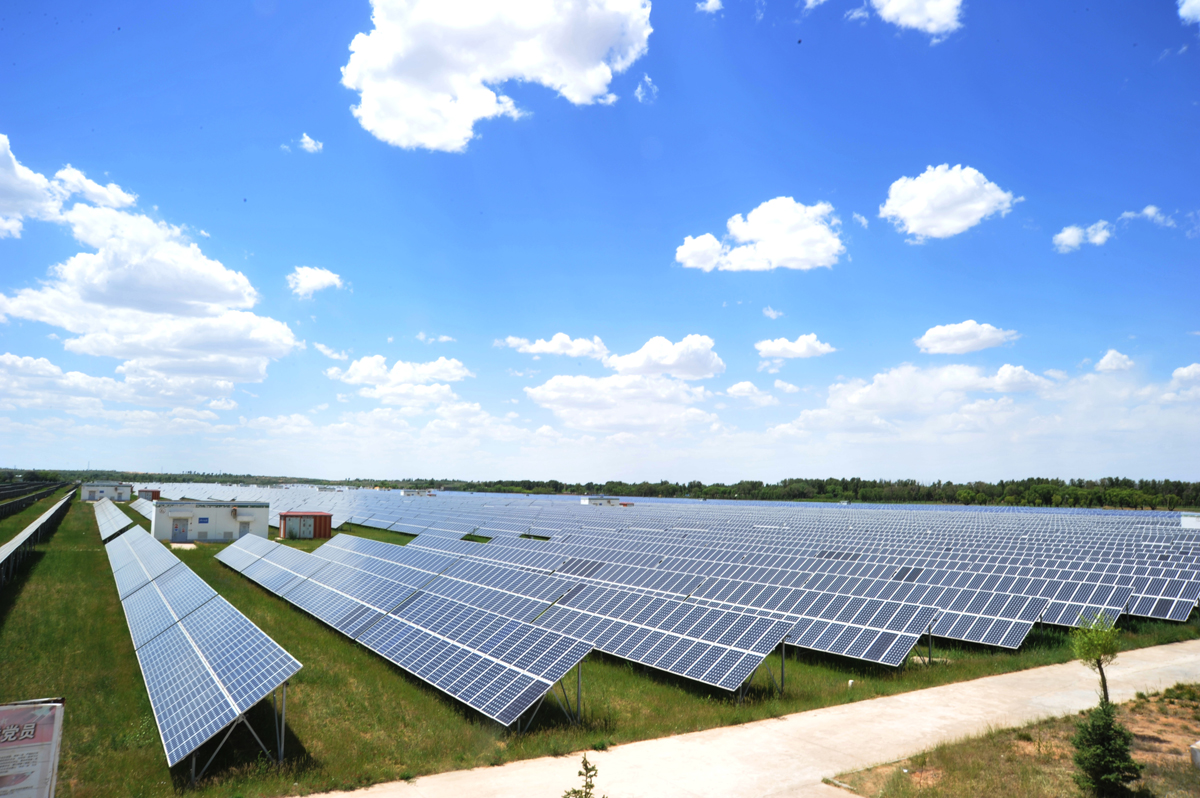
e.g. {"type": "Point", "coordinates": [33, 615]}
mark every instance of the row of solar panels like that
{"type": "Point", "coordinates": [13, 552]}
{"type": "Point", "coordinates": [204, 663]}
{"type": "Point", "coordinates": [402, 605]}
{"type": "Point", "coordinates": [143, 507]}
{"type": "Point", "coordinates": [110, 519]}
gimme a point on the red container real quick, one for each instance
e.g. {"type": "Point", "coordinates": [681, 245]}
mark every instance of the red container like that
{"type": "Point", "coordinates": [300, 524]}
{"type": "Point", "coordinates": [149, 495]}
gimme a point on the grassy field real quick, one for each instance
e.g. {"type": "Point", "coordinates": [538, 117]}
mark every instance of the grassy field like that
{"type": "Point", "coordinates": [353, 718]}
{"type": "Point", "coordinates": [10, 526]}
{"type": "Point", "coordinates": [1036, 761]}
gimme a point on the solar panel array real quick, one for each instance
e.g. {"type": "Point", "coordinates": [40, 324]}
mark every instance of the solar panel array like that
{"type": "Point", "coordinates": [205, 664]}
{"type": "Point", "coordinates": [110, 519]}
{"type": "Point", "coordinates": [13, 552]}
{"type": "Point", "coordinates": [860, 580]}
{"type": "Point", "coordinates": [146, 508]}
{"type": "Point", "coordinates": [469, 640]}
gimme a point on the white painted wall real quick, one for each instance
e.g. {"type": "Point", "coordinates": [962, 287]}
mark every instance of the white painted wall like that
{"type": "Point", "coordinates": [212, 521]}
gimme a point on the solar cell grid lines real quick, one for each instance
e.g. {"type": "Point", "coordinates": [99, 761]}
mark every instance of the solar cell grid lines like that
{"type": "Point", "coordinates": [204, 663]}
{"type": "Point", "coordinates": [398, 603]}
{"type": "Point", "coordinates": [110, 519]}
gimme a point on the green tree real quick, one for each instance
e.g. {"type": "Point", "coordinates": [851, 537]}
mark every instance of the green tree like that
{"type": "Point", "coordinates": [1102, 753]}
{"type": "Point", "coordinates": [589, 777]}
{"type": "Point", "coordinates": [1095, 643]}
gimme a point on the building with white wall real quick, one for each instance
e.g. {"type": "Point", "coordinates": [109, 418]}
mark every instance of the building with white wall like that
{"type": "Point", "coordinates": [189, 521]}
{"type": "Point", "coordinates": [114, 491]}
{"type": "Point", "coordinates": [601, 501]}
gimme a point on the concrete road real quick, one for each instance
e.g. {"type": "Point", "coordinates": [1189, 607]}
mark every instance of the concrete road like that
{"type": "Point", "coordinates": [789, 756]}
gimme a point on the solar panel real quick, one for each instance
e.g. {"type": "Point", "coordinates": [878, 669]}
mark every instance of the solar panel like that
{"type": "Point", "coordinates": [204, 663]}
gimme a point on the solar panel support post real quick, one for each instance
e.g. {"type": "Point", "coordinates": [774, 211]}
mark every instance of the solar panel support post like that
{"type": "Point", "coordinates": [782, 662]}
{"type": "Point", "coordinates": [532, 715]}
{"type": "Point", "coordinates": [579, 692]}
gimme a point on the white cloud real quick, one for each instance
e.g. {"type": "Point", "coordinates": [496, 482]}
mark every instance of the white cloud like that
{"type": "Point", "coordinates": [623, 402]}
{"type": "Point", "coordinates": [964, 337]}
{"type": "Point", "coordinates": [1189, 11]}
{"type": "Point", "coordinates": [1114, 361]}
{"type": "Point", "coordinates": [692, 358]}
{"type": "Point", "coordinates": [559, 344]}
{"type": "Point", "coordinates": [860, 14]}
{"type": "Point", "coordinates": [749, 391]}
{"type": "Point", "coordinates": [431, 69]}
{"type": "Point", "coordinates": [309, 144]}
{"type": "Point", "coordinates": [803, 346]}
{"type": "Point", "coordinates": [224, 403]}
{"type": "Point", "coordinates": [433, 339]}
{"type": "Point", "coordinates": [411, 385]}
{"type": "Point", "coordinates": [786, 387]}
{"type": "Point", "coordinates": [23, 192]}
{"type": "Point", "coordinates": [943, 201]}
{"type": "Point", "coordinates": [646, 92]}
{"type": "Point", "coordinates": [74, 181]}
{"type": "Point", "coordinates": [331, 353]}
{"type": "Point", "coordinates": [771, 313]}
{"type": "Point", "coordinates": [179, 320]}
{"type": "Point", "coordinates": [780, 233]}
{"type": "Point", "coordinates": [858, 217]}
{"type": "Point", "coordinates": [938, 18]}
{"type": "Point", "coordinates": [1187, 373]}
{"type": "Point", "coordinates": [1069, 238]}
{"type": "Point", "coordinates": [709, 6]}
{"type": "Point", "coordinates": [307, 280]}
{"type": "Point", "coordinates": [1150, 213]}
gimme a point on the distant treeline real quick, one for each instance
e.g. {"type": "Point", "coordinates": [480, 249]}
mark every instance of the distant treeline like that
{"type": "Point", "coordinates": [1034, 492]}
{"type": "Point", "coordinates": [1119, 492]}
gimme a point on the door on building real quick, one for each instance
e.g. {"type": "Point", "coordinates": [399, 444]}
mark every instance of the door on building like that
{"type": "Point", "coordinates": [243, 528]}
{"type": "Point", "coordinates": [306, 528]}
{"type": "Point", "coordinates": [179, 530]}
{"type": "Point", "coordinates": [91, 495]}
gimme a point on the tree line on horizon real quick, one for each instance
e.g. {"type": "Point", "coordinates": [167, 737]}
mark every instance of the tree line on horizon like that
{"type": "Point", "coordinates": [1113, 492]}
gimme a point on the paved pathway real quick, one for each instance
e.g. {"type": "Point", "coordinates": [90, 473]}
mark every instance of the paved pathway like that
{"type": "Point", "coordinates": [789, 756]}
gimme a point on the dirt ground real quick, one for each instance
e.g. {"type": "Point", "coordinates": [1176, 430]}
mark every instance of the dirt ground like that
{"type": "Point", "coordinates": [1037, 760]}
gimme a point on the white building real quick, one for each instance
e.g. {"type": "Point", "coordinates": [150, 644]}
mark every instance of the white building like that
{"type": "Point", "coordinates": [115, 491]}
{"type": "Point", "coordinates": [183, 521]}
{"type": "Point", "coordinates": [415, 492]}
{"type": "Point", "coordinates": [601, 501]}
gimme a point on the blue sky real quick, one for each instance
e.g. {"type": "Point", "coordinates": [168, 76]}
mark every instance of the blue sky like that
{"type": "Point", "coordinates": [900, 238]}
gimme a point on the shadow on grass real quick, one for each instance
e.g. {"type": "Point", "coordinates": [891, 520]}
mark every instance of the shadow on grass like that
{"type": "Point", "coordinates": [10, 591]}
{"type": "Point", "coordinates": [241, 756]}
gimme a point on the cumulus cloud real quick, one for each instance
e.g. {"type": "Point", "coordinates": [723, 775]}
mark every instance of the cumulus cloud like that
{"type": "Point", "coordinates": [330, 352]}
{"type": "Point", "coordinates": [430, 69]}
{"type": "Point", "coordinates": [1189, 11]}
{"type": "Point", "coordinates": [646, 92]}
{"type": "Point", "coordinates": [307, 280]}
{"type": "Point", "coordinates": [224, 403]}
{"type": "Point", "coordinates": [309, 144]}
{"type": "Point", "coordinates": [713, 6]}
{"type": "Point", "coordinates": [938, 18]}
{"type": "Point", "coordinates": [692, 358]}
{"type": "Point", "coordinates": [943, 202]}
{"type": "Point", "coordinates": [180, 321]}
{"type": "Point", "coordinates": [964, 337]}
{"type": "Point", "coordinates": [771, 313]}
{"type": "Point", "coordinates": [786, 387]}
{"type": "Point", "coordinates": [778, 234]}
{"type": "Point", "coordinates": [412, 385]}
{"type": "Point", "coordinates": [623, 402]}
{"type": "Point", "coordinates": [803, 346]}
{"type": "Point", "coordinates": [559, 344]}
{"type": "Point", "coordinates": [1114, 361]}
{"type": "Point", "coordinates": [72, 181]}
{"type": "Point", "coordinates": [1150, 213]}
{"type": "Point", "coordinates": [749, 391]}
{"type": "Point", "coordinates": [1072, 236]}
{"type": "Point", "coordinates": [858, 217]}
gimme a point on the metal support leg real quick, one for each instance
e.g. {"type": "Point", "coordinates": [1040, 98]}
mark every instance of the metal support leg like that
{"type": "Point", "coordinates": [283, 723]}
{"type": "Point", "coordinates": [782, 662]}
{"type": "Point", "coordinates": [193, 768]}
{"type": "Point", "coordinates": [531, 717]}
{"type": "Point", "coordinates": [579, 691]}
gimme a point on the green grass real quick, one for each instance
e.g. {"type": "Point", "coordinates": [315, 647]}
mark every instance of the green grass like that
{"type": "Point", "coordinates": [10, 526]}
{"type": "Point", "coordinates": [353, 718]}
{"type": "Point", "coordinates": [1036, 761]}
